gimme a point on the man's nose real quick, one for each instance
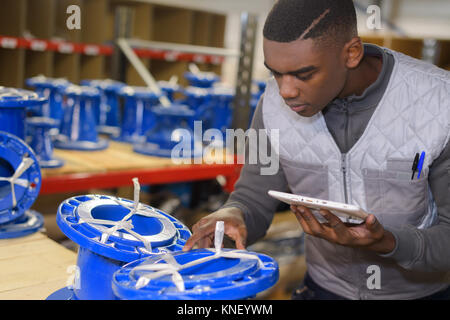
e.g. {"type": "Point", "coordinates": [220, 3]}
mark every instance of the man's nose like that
{"type": "Point", "coordinates": [288, 90]}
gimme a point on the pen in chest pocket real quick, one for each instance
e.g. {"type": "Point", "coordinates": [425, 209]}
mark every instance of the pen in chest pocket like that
{"type": "Point", "coordinates": [417, 164]}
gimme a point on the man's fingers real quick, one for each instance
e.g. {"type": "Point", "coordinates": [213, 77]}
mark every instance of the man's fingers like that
{"type": "Point", "coordinates": [373, 224]}
{"type": "Point", "coordinates": [312, 222]}
{"type": "Point", "coordinates": [307, 220]}
{"type": "Point", "coordinates": [335, 223]}
{"type": "Point", "coordinates": [203, 235]}
{"type": "Point", "coordinates": [190, 243]}
{"type": "Point", "coordinates": [201, 230]}
{"type": "Point", "coordinates": [238, 234]}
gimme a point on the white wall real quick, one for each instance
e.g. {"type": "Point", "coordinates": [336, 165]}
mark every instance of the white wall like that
{"type": "Point", "coordinates": [417, 18]}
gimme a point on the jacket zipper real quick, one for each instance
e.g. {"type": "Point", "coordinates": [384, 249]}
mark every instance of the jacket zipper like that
{"type": "Point", "coordinates": [344, 175]}
{"type": "Point", "coordinates": [343, 155]}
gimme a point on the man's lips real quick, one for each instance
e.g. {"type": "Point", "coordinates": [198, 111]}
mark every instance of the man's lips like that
{"type": "Point", "coordinates": [298, 107]}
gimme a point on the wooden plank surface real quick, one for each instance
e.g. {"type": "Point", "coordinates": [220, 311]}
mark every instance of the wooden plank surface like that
{"type": "Point", "coordinates": [117, 157]}
{"type": "Point", "coordinates": [33, 267]}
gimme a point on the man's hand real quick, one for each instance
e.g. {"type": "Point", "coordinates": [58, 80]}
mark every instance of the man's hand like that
{"type": "Point", "coordinates": [369, 235]}
{"type": "Point", "coordinates": [204, 229]}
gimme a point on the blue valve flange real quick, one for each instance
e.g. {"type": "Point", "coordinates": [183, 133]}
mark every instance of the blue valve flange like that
{"type": "Point", "coordinates": [138, 116]}
{"type": "Point", "coordinates": [29, 223]}
{"type": "Point", "coordinates": [169, 89]}
{"type": "Point", "coordinates": [13, 105]}
{"type": "Point", "coordinates": [173, 135]}
{"type": "Point", "coordinates": [50, 88]}
{"type": "Point", "coordinates": [78, 128]}
{"type": "Point", "coordinates": [201, 79]}
{"type": "Point", "coordinates": [108, 114]}
{"type": "Point", "coordinates": [41, 141]}
{"type": "Point", "coordinates": [223, 277]}
{"type": "Point", "coordinates": [20, 177]}
{"type": "Point", "coordinates": [87, 220]}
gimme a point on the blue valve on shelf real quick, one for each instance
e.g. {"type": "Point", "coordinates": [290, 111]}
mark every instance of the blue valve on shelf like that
{"type": "Point", "coordinates": [256, 95]}
{"type": "Point", "coordinates": [220, 108]}
{"type": "Point", "coordinates": [169, 89]}
{"type": "Point", "coordinates": [111, 232]}
{"type": "Point", "coordinates": [107, 116]}
{"type": "Point", "coordinates": [41, 141]}
{"type": "Point", "coordinates": [20, 174]}
{"type": "Point", "coordinates": [78, 128]}
{"type": "Point", "coordinates": [195, 97]}
{"type": "Point", "coordinates": [201, 79]}
{"type": "Point", "coordinates": [174, 128]}
{"type": "Point", "coordinates": [13, 109]}
{"type": "Point", "coordinates": [20, 177]}
{"type": "Point", "coordinates": [51, 89]}
{"type": "Point", "coordinates": [138, 115]}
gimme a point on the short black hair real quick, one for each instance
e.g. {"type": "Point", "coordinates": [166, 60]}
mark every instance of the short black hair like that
{"type": "Point", "coordinates": [331, 20]}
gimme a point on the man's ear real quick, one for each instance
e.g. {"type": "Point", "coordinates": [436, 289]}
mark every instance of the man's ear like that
{"type": "Point", "coordinates": [353, 52]}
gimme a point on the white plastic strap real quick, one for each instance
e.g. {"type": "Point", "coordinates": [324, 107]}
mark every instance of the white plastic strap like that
{"type": "Point", "coordinates": [172, 267]}
{"type": "Point", "coordinates": [14, 179]}
{"type": "Point", "coordinates": [126, 224]}
{"type": "Point", "coordinates": [218, 236]}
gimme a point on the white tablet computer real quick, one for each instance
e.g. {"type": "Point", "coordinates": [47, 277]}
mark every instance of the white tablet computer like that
{"type": "Point", "coordinates": [348, 213]}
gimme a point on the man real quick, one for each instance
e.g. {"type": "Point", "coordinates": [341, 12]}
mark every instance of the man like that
{"type": "Point", "coordinates": [351, 118]}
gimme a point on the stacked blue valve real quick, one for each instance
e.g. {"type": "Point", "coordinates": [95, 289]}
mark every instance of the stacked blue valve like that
{"type": "Point", "coordinates": [50, 88]}
{"type": "Point", "coordinates": [138, 115]}
{"type": "Point", "coordinates": [201, 79]}
{"type": "Point", "coordinates": [78, 128]}
{"type": "Point", "coordinates": [213, 104]}
{"type": "Point", "coordinates": [107, 115]}
{"type": "Point", "coordinates": [169, 89]}
{"type": "Point", "coordinates": [173, 135]}
{"type": "Point", "coordinates": [40, 139]}
{"type": "Point", "coordinates": [20, 175]}
{"type": "Point", "coordinates": [256, 95]}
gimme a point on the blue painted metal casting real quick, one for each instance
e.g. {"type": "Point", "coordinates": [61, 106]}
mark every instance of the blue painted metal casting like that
{"type": "Point", "coordinates": [138, 115]}
{"type": "Point", "coordinates": [28, 223]}
{"type": "Point", "coordinates": [41, 141]}
{"type": "Point", "coordinates": [110, 235]}
{"type": "Point", "coordinates": [108, 114]}
{"type": "Point", "coordinates": [13, 105]}
{"type": "Point", "coordinates": [173, 135]}
{"type": "Point", "coordinates": [220, 108]}
{"type": "Point", "coordinates": [222, 277]}
{"type": "Point", "coordinates": [20, 177]}
{"type": "Point", "coordinates": [201, 79]}
{"type": "Point", "coordinates": [169, 89]}
{"type": "Point", "coordinates": [50, 88]}
{"type": "Point", "coordinates": [78, 129]}
{"type": "Point", "coordinates": [256, 95]}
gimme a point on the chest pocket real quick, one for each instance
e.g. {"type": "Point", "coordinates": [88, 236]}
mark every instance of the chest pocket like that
{"type": "Point", "coordinates": [393, 197]}
{"type": "Point", "coordinates": [307, 179]}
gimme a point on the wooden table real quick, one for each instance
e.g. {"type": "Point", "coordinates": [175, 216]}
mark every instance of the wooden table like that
{"type": "Point", "coordinates": [33, 267]}
{"type": "Point", "coordinates": [118, 164]}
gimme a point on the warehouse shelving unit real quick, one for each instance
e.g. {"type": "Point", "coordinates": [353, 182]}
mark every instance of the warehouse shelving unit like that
{"type": "Point", "coordinates": [54, 50]}
{"type": "Point", "coordinates": [35, 39]}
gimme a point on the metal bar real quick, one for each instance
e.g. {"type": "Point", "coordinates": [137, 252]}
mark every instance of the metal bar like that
{"type": "Point", "coordinates": [182, 173]}
{"type": "Point", "coordinates": [122, 28]}
{"type": "Point", "coordinates": [138, 43]}
{"type": "Point", "coordinates": [142, 70]}
{"type": "Point", "coordinates": [241, 103]}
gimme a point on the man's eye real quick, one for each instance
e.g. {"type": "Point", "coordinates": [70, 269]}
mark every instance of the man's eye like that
{"type": "Point", "coordinates": [304, 78]}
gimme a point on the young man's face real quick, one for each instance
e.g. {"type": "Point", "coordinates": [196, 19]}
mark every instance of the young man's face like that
{"type": "Point", "coordinates": [309, 76]}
